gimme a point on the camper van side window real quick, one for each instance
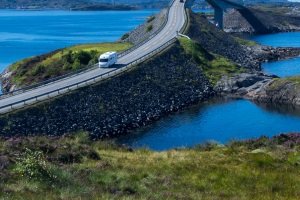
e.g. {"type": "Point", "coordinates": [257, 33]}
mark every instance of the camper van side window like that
{"type": "Point", "coordinates": [104, 60]}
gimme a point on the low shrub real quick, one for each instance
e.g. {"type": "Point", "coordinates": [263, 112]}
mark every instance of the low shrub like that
{"type": "Point", "coordinates": [149, 28]}
{"type": "Point", "coordinates": [150, 19]}
{"type": "Point", "coordinates": [33, 165]}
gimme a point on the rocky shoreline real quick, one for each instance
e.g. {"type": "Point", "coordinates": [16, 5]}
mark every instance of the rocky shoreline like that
{"type": "Point", "coordinates": [257, 86]}
{"type": "Point", "coordinates": [261, 88]}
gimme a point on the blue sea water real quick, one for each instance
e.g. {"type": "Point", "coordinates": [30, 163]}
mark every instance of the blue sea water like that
{"type": "Point", "coordinates": [29, 33]}
{"type": "Point", "coordinates": [284, 68]}
{"type": "Point", "coordinates": [291, 39]}
{"type": "Point", "coordinates": [221, 121]}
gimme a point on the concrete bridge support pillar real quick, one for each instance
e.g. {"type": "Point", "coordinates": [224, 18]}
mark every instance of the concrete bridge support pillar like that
{"type": "Point", "coordinates": [219, 13]}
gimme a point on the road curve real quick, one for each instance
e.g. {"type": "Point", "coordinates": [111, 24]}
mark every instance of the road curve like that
{"type": "Point", "coordinates": [176, 20]}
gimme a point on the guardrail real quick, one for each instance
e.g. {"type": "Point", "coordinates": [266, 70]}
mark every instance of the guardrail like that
{"type": "Point", "coordinates": [151, 36]}
{"type": "Point", "coordinates": [87, 68]}
{"type": "Point", "coordinates": [46, 82]}
{"type": "Point", "coordinates": [90, 81]}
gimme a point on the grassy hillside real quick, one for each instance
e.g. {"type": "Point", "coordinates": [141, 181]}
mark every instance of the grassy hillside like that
{"type": "Point", "coordinates": [39, 68]}
{"type": "Point", "coordinates": [214, 66]}
{"type": "Point", "coordinates": [73, 167]}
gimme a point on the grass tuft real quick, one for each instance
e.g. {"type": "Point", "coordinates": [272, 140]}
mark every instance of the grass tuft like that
{"type": "Point", "coordinates": [213, 66]}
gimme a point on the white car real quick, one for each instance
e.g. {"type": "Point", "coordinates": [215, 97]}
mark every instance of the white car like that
{"type": "Point", "coordinates": [108, 59]}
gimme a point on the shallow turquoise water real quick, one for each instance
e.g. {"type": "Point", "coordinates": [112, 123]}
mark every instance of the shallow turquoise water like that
{"type": "Point", "coordinates": [29, 33]}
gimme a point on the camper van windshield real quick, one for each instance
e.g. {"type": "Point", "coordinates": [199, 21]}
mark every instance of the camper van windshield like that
{"type": "Point", "coordinates": [103, 60]}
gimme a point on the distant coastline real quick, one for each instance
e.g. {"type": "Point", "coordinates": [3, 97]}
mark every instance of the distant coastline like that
{"type": "Point", "coordinates": [96, 7]}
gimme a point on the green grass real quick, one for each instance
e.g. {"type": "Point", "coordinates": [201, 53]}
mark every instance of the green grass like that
{"type": "Point", "coordinates": [149, 28]}
{"type": "Point", "coordinates": [39, 68]}
{"type": "Point", "coordinates": [245, 42]}
{"type": "Point", "coordinates": [294, 79]}
{"type": "Point", "coordinates": [213, 66]}
{"type": "Point", "coordinates": [243, 170]}
{"type": "Point", "coordinates": [280, 82]}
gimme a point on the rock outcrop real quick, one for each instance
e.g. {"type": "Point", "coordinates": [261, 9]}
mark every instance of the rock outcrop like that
{"type": "Point", "coordinates": [243, 85]}
{"type": "Point", "coordinates": [265, 53]}
{"type": "Point", "coordinates": [283, 91]}
{"type": "Point", "coordinates": [261, 88]}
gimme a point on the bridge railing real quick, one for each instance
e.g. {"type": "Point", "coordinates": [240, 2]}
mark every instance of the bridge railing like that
{"type": "Point", "coordinates": [151, 36]}
{"type": "Point", "coordinates": [87, 68]}
{"type": "Point", "coordinates": [90, 81]}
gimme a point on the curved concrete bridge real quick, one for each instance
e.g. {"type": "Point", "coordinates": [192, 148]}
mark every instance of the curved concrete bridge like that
{"type": "Point", "coordinates": [176, 20]}
{"type": "Point", "coordinates": [220, 6]}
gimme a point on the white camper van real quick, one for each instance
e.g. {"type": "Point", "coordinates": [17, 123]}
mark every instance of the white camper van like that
{"type": "Point", "coordinates": [108, 59]}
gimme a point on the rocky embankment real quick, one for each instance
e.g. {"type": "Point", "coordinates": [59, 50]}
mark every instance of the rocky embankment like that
{"type": "Point", "coordinates": [216, 41]}
{"type": "Point", "coordinates": [261, 88]}
{"type": "Point", "coordinates": [265, 53]}
{"type": "Point", "coordinates": [147, 29]}
{"type": "Point", "coordinates": [266, 21]}
{"type": "Point", "coordinates": [153, 89]}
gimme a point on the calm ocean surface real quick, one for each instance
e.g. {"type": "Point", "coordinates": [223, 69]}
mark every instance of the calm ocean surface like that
{"type": "Point", "coordinates": [29, 33]}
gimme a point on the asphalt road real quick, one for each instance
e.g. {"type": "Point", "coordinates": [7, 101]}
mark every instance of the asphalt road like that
{"type": "Point", "coordinates": [175, 23]}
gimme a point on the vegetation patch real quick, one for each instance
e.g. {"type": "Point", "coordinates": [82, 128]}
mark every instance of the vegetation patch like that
{"type": "Point", "coordinates": [293, 79]}
{"type": "Point", "coordinates": [214, 66]}
{"type": "Point", "coordinates": [282, 82]}
{"type": "Point", "coordinates": [125, 36]}
{"type": "Point", "coordinates": [266, 168]}
{"type": "Point", "coordinates": [60, 62]}
{"type": "Point", "coordinates": [245, 42]}
{"type": "Point", "coordinates": [149, 28]}
{"type": "Point", "coordinates": [150, 19]}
